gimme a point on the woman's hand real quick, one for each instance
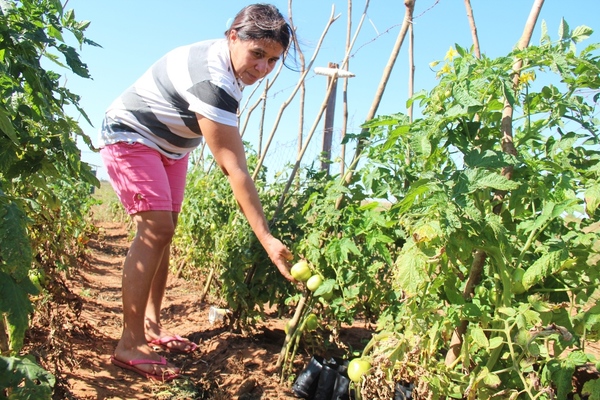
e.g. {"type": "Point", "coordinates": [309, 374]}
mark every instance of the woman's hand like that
{"type": "Point", "coordinates": [280, 255]}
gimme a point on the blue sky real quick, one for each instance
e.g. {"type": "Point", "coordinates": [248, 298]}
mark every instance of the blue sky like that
{"type": "Point", "coordinates": [135, 33]}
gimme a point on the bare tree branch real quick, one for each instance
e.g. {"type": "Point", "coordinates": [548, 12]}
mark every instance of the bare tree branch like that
{"type": "Point", "coordinates": [508, 145]}
{"type": "Point", "coordinates": [473, 28]}
{"type": "Point", "coordinates": [303, 85]}
{"type": "Point", "coordinates": [410, 7]}
{"type": "Point", "coordinates": [332, 84]}
{"type": "Point", "coordinates": [411, 66]}
{"type": "Point", "coordinates": [345, 92]}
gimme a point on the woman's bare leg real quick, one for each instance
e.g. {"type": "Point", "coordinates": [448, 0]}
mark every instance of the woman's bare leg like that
{"type": "Point", "coordinates": [154, 329]}
{"type": "Point", "coordinates": [154, 233]}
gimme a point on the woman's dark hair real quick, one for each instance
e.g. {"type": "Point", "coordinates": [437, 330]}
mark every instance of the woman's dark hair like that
{"type": "Point", "coordinates": [263, 21]}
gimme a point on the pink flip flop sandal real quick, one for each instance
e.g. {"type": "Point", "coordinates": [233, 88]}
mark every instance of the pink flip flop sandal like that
{"type": "Point", "coordinates": [164, 341]}
{"type": "Point", "coordinates": [132, 366]}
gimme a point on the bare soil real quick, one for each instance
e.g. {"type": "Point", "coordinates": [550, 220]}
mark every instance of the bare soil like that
{"type": "Point", "coordinates": [77, 343]}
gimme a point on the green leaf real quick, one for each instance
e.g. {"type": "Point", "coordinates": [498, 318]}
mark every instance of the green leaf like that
{"type": "Point", "coordinates": [592, 199]}
{"type": "Point", "coordinates": [492, 380]}
{"type": "Point", "coordinates": [394, 135]}
{"type": "Point", "coordinates": [482, 179]}
{"type": "Point", "coordinates": [452, 293]}
{"type": "Point", "coordinates": [507, 91]}
{"type": "Point", "coordinates": [421, 145]}
{"type": "Point", "coordinates": [55, 33]}
{"type": "Point", "coordinates": [563, 30]}
{"type": "Point", "coordinates": [545, 38]}
{"type": "Point", "coordinates": [488, 159]}
{"type": "Point", "coordinates": [471, 312]}
{"type": "Point", "coordinates": [479, 337]}
{"type": "Point", "coordinates": [463, 95]}
{"type": "Point", "coordinates": [15, 304]}
{"type": "Point", "coordinates": [25, 379]}
{"type": "Point", "coordinates": [563, 380]}
{"type": "Point", "coordinates": [581, 33]}
{"type": "Point", "coordinates": [6, 125]}
{"type": "Point", "coordinates": [592, 389]}
{"type": "Point", "coordinates": [325, 288]}
{"type": "Point", "coordinates": [347, 246]}
{"type": "Point", "coordinates": [577, 358]}
{"type": "Point", "coordinates": [522, 338]}
{"type": "Point", "coordinates": [461, 51]}
{"type": "Point", "coordinates": [15, 251]}
{"type": "Point", "coordinates": [417, 189]}
{"type": "Point", "coordinates": [510, 312]}
{"type": "Point", "coordinates": [496, 342]}
{"type": "Point", "coordinates": [550, 211]}
{"type": "Point", "coordinates": [592, 318]}
{"type": "Point", "coordinates": [410, 269]}
{"type": "Point", "coordinates": [73, 61]}
{"type": "Point", "coordinates": [501, 234]}
{"type": "Point", "coordinates": [543, 267]}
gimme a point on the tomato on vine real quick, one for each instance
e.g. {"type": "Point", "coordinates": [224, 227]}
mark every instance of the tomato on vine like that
{"type": "Point", "coordinates": [314, 282]}
{"type": "Point", "coordinates": [301, 271]}
{"type": "Point", "coordinates": [357, 368]}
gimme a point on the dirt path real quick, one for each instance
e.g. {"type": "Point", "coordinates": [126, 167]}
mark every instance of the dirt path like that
{"type": "Point", "coordinates": [226, 366]}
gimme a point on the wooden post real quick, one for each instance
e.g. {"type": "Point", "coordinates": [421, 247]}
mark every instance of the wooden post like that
{"type": "Point", "coordinates": [329, 117]}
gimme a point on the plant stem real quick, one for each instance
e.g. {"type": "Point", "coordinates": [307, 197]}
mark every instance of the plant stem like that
{"type": "Point", "coordinates": [532, 236]}
{"type": "Point", "coordinates": [292, 329]}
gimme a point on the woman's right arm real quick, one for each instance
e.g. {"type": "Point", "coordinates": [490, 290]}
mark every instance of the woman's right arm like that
{"type": "Point", "coordinates": [226, 146]}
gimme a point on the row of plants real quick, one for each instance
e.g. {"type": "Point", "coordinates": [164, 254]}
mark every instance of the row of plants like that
{"type": "Point", "coordinates": [44, 186]}
{"type": "Point", "coordinates": [514, 274]}
{"type": "Point", "coordinates": [482, 283]}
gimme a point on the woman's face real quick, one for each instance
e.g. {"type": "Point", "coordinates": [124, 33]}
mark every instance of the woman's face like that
{"type": "Point", "coordinates": [253, 59]}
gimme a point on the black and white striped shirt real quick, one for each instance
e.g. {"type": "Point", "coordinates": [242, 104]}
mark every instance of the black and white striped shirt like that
{"type": "Point", "coordinates": [159, 109]}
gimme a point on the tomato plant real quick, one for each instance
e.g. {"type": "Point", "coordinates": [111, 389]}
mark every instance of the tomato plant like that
{"type": "Point", "coordinates": [44, 185]}
{"type": "Point", "coordinates": [510, 271]}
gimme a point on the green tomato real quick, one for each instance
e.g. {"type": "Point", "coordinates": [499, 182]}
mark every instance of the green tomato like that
{"type": "Point", "coordinates": [481, 291]}
{"type": "Point", "coordinates": [311, 322]}
{"type": "Point", "coordinates": [517, 281]}
{"type": "Point", "coordinates": [37, 278]}
{"type": "Point", "coordinates": [301, 271]}
{"type": "Point", "coordinates": [314, 282]}
{"type": "Point", "coordinates": [357, 368]}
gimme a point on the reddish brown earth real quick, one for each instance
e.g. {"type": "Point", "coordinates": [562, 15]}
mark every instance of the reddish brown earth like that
{"type": "Point", "coordinates": [76, 343]}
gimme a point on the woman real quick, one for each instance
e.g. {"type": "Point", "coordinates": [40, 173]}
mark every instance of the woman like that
{"type": "Point", "coordinates": [191, 93]}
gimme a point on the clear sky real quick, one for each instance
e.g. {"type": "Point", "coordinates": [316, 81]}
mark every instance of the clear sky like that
{"type": "Point", "coordinates": [135, 33]}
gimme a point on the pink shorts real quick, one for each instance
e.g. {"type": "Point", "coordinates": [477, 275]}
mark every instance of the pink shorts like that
{"type": "Point", "coordinates": [143, 178]}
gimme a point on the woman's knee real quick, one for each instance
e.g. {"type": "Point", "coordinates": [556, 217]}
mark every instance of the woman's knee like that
{"type": "Point", "coordinates": [157, 228]}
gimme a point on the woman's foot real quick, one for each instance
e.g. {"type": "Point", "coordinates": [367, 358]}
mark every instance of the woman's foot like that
{"type": "Point", "coordinates": [157, 336]}
{"type": "Point", "coordinates": [174, 344]}
{"type": "Point", "coordinates": [145, 362]}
